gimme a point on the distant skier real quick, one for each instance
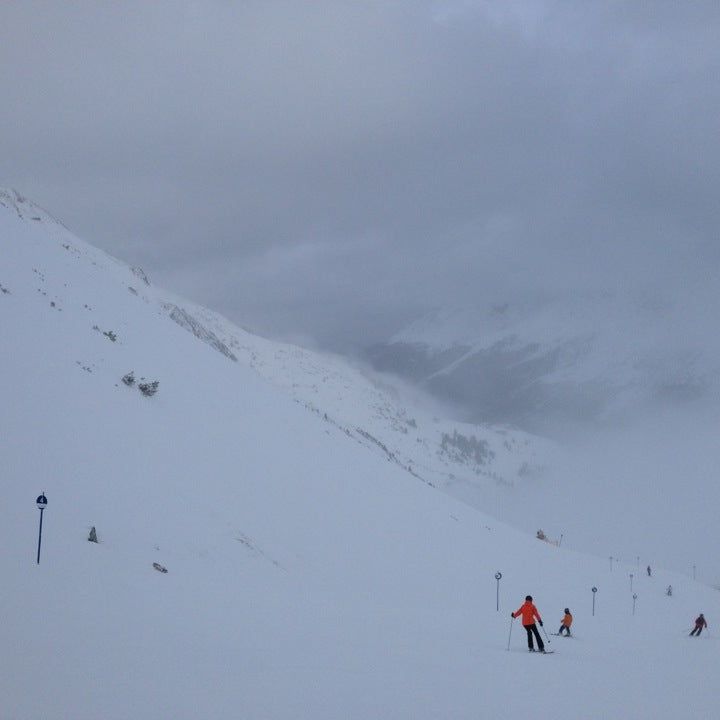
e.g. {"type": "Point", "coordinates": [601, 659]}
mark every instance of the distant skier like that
{"type": "Point", "coordinates": [529, 614]}
{"type": "Point", "coordinates": [668, 592]}
{"type": "Point", "coordinates": [699, 625]}
{"type": "Point", "coordinates": [566, 623]}
{"type": "Point", "coordinates": [649, 571]}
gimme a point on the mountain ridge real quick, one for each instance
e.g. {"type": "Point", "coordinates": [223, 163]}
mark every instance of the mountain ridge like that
{"type": "Point", "coordinates": [423, 444]}
{"type": "Point", "coordinates": [592, 359]}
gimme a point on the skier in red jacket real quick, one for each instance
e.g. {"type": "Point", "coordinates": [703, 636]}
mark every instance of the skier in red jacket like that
{"type": "Point", "coordinates": [529, 614]}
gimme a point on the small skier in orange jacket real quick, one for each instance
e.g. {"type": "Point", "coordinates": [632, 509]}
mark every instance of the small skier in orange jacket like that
{"type": "Point", "coordinates": [700, 623]}
{"type": "Point", "coordinates": [529, 614]}
{"type": "Point", "coordinates": [566, 622]}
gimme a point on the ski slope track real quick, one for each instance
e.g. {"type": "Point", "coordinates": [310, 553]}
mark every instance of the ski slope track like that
{"type": "Point", "coordinates": [316, 567]}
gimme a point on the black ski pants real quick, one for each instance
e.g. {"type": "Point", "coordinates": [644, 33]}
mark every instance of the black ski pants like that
{"type": "Point", "coordinates": [697, 629]}
{"type": "Point", "coordinates": [563, 627]}
{"type": "Point", "coordinates": [532, 630]}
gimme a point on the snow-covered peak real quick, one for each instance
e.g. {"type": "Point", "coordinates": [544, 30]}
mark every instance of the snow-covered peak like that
{"type": "Point", "coordinates": [25, 209]}
{"type": "Point", "coordinates": [580, 358]}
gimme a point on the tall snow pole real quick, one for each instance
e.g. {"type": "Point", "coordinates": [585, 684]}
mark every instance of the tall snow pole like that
{"type": "Point", "coordinates": [42, 504]}
{"type": "Point", "coordinates": [631, 580]}
{"type": "Point", "coordinates": [498, 576]}
{"type": "Point", "coordinates": [634, 599]}
{"type": "Point", "coordinates": [638, 562]}
{"type": "Point", "coordinates": [611, 559]}
{"type": "Point", "coordinates": [594, 590]}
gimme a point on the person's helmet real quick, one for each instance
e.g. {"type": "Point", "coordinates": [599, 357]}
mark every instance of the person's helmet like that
{"type": "Point", "coordinates": [567, 610]}
{"type": "Point", "coordinates": [528, 597]}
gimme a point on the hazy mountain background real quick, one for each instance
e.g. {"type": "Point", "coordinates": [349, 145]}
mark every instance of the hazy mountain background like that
{"type": "Point", "coordinates": [334, 173]}
{"type": "Point", "coordinates": [592, 360]}
{"type": "Point", "coordinates": [511, 205]}
{"type": "Point", "coordinates": [641, 483]}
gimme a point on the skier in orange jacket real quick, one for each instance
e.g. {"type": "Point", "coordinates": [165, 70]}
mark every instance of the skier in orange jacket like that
{"type": "Point", "coordinates": [566, 623]}
{"type": "Point", "coordinates": [529, 613]}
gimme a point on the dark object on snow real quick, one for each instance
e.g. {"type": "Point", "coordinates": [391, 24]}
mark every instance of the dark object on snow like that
{"type": "Point", "coordinates": [649, 571]}
{"type": "Point", "coordinates": [159, 567]}
{"type": "Point", "coordinates": [129, 379]}
{"type": "Point", "coordinates": [699, 625]}
{"type": "Point", "coordinates": [92, 537]}
{"type": "Point", "coordinates": [668, 592]}
{"type": "Point", "coordinates": [149, 389]}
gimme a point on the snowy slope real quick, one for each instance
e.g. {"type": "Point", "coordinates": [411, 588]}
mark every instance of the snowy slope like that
{"type": "Point", "coordinates": [468, 461]}
{"type": "Point", "coordinates": [308, 576]}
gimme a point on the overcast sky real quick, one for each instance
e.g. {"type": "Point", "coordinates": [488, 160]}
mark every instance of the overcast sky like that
{"type": "Point", "coordinates": [328, 170]}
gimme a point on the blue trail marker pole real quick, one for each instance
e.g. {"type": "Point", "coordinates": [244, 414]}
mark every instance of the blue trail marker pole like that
{"type": "Point", "coordinates": [631, 582]}
{"type": "Point", "coordinates": [634, 599]}
{"type": "Point", "coordinates": [498, 575]}
{"type": "Point", "coordinates": [594, 590]}
{"type": "Point", "coordinates": [42, 504]}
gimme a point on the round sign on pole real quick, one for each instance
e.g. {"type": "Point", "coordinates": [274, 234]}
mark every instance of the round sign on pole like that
{"type": "Point", "coordinates": [594, 589]}
{"type": "Point", "coordinates": [498, 575]}
{"type": "Point", "coordinates": [42, 504]}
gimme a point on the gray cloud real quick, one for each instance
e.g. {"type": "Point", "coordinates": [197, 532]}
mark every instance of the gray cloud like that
{"type": "Point", "coordinates": [334, 168]}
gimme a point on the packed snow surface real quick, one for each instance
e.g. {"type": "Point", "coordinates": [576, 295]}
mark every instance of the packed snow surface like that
{"type": "Point", "coordinates": [312, 573]}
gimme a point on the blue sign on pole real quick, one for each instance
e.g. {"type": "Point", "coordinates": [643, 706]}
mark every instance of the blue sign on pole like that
{"type": "Point", "coordinates": [42, 504]}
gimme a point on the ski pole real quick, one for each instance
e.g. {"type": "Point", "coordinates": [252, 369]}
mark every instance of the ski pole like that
{"type": "Point", "coordinates": [512, 619]}
{"type": "Point", "coordinates": [542, 627]}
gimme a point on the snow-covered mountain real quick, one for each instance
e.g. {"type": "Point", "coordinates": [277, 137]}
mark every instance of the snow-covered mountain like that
{"type": "Point", "coordinates": [466, 459]}
{"type": "Point", "coordinates": [314, 568]}
{"type": "Point", "coordinates": [586, 358]}
{"type": "Point", "coordinates": [469, 461]}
